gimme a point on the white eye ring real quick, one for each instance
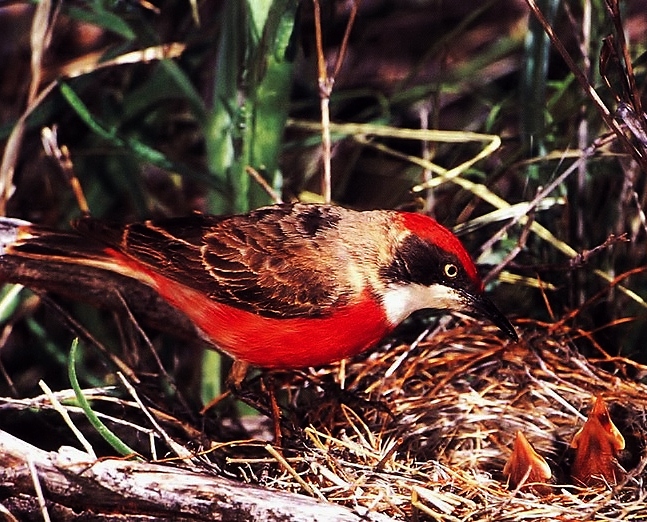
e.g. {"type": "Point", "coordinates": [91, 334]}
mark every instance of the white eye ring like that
{"type": "Point", "coordinates": [451, 270]}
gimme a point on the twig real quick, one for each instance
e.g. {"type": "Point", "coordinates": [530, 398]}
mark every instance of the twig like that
{"type": "Point", "coordinates": [521, 243]}
{"type": "Point", "coordinates": [586, 86]}
{"type": "Point", "coordinates": [178, 449]}
{"type": "Point", "coordinates": [39, 490]}
{"type": "Point", "coordinates": [8, 517]}
{"type": "Point", "coordinates": [276, 197]}
{"type": "Point", "coordinates": [170, 381]}
{"type": "Point", "coordinates": [326, 83]}
{"type": "Point", "coordinates": [293, 472]}
{"type": "Point", "coordinates": [67, 419]}
{"type": "Point", "coordinates": [86, 336]}
{"type": "Point", "coordinates": [61, 154]}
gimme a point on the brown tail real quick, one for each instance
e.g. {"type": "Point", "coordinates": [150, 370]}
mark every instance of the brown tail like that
{"type": "Point", "coordinates": [61, 262]}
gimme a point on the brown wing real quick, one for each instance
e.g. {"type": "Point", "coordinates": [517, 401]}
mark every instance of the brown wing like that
{"type": "Point", "coordinates": [274, 261]}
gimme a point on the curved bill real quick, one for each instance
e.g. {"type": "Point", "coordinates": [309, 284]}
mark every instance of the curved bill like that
{"type": "Point", "coordinates": [482, 306]}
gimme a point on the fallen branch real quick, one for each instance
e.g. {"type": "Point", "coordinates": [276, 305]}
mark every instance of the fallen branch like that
{"type": "Point", "coordinates": [76, 486]}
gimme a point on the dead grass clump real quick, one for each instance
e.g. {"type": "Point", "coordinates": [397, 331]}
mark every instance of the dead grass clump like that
{"type": "Point", "coordinates": [435, 430]}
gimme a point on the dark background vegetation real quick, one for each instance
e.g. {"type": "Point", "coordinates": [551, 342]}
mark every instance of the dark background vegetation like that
{"type": "Point", "coordinates": [165, 137]}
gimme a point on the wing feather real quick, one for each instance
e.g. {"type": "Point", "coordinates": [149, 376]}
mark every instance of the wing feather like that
{"type": "Point", "coordinates": [273, 261]}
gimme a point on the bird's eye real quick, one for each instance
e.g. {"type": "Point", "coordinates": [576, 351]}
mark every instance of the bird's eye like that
{"type": "Point", "coordinates": [451, 270]}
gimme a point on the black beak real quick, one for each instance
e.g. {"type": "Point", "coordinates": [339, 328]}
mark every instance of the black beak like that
{"type": "Point", "coordinates": [482, 306]}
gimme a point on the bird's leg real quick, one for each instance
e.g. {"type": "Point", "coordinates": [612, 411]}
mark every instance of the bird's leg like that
{"type": "Point", "coordinates": [267, 406]}
{"type": "Point", "coordinates": [234, 383]}
{"type": "Point", "coordinates": [237, 375]}
{"type": "Point", "coordinates": [264, 399]}
{"type": "Point", "coordinates": [270, 389]}
{"type": "Point", "coordinates": [235, 389]}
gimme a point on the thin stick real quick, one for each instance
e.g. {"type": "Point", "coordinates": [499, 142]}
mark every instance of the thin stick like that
{"type": "Point", "coordinates": [326, 83]}
{"type": "Point", "coordinates": [87, 337]}
{"type": "Point", "coordinates": [58, 407]}
{"type": "Point", "coordinates": [149, 345]}
{"type": "Point", "coordinates": [276, 197]}
{"type": "Point", "coordinates": [178, 449]}
{"type": "Point", "coordinates": [614, 9]}
{"type": "Point", "coordinates": [39, 490]}
{"type": "Point", "coordinates": [7, 514]}
{"type": "Point", "coordinates": [325, 89]}
{"type": "Point", "coordinates": [584, 82]}
{"type": "Point", "coordinates": [61, 154]}
{"type": "Point", "coordinates": [344, 44]}
{"type": "Point", "coordinates": [293, 472]}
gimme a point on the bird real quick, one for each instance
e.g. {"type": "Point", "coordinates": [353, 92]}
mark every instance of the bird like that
{"type": "Point", "coordinates": [526, 467]}
{"type": "Point", "coordinates": [285, 286]}
{"type": "Point", "coordinates": [597, 445]}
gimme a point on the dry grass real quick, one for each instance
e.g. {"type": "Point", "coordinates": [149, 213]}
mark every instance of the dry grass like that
{"type": "Point", "coordinates": [438, 440]}
{"type": "Point", "coordinates": [420, 433]}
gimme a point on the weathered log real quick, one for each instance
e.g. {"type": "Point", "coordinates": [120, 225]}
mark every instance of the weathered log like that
{"type": "Point", "coordinates": [77, 488]}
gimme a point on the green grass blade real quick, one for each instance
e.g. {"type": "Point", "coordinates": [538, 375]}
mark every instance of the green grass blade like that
{"type": "Point", "coordinates": [103, 430]}
{"type": "Point", "coordinates": [142, 151]}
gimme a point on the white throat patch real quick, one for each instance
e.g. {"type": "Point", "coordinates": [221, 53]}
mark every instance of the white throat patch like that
{"type": "Point", "coordinates": [401, 300]}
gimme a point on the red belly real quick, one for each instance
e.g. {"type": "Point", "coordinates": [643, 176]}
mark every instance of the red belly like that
{"type": "Point", "coordinates": [265, 341]}
{"type": "Point", "coordinates": [283, 343]}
